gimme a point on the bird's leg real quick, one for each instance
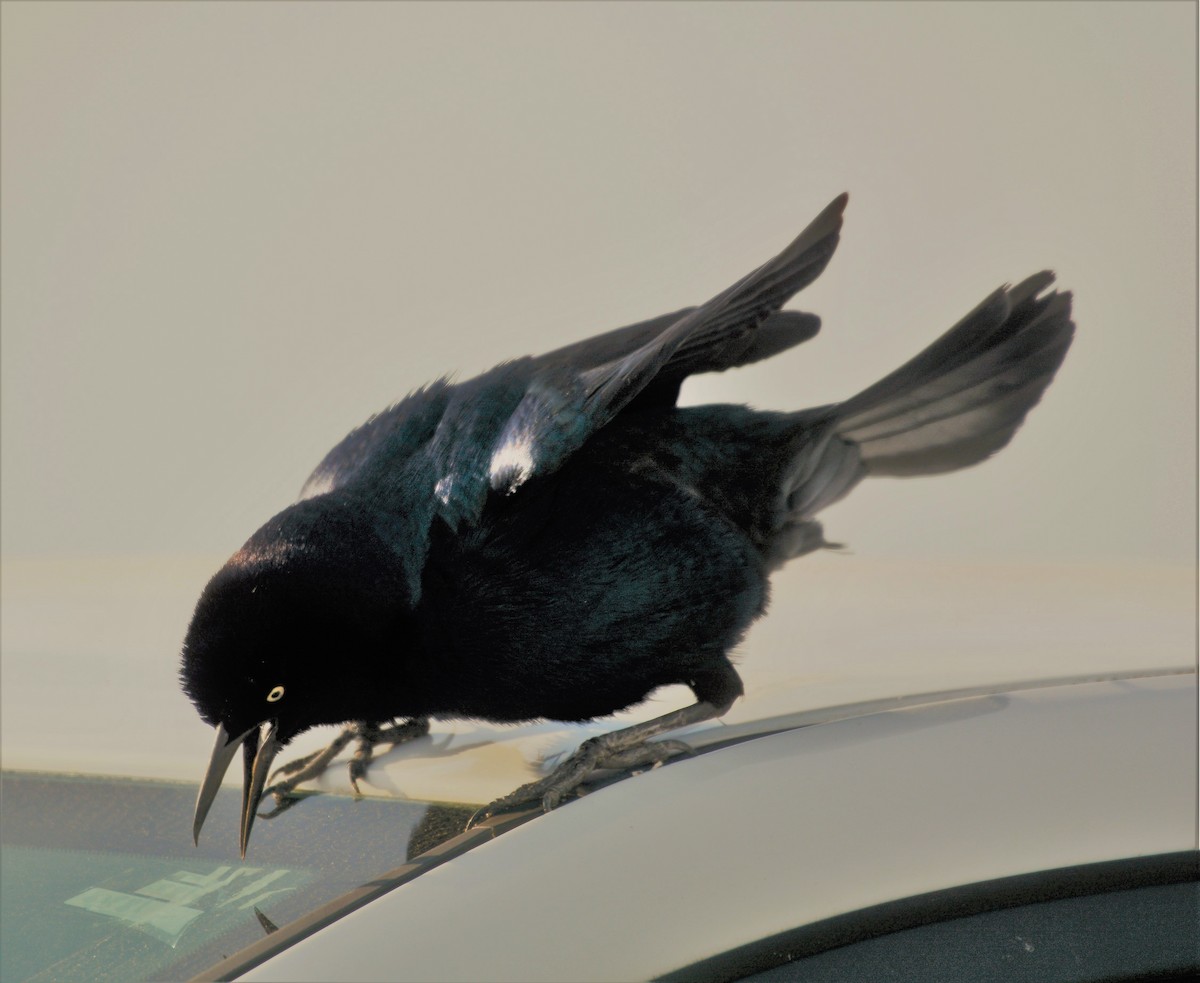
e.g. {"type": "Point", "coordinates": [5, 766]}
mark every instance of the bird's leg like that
{"type": "Point", "coordinates": [372, 735]}
{"type": "Point", "coordinates": [627, 748]}
{"type": "Point", "coordinates": [309, 766]}
{"type": "Point", "coordinates": [368, 735]}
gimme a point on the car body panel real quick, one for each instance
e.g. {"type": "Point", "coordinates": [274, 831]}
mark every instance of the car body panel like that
{"type": "Point", "coordinates": [685, 861]}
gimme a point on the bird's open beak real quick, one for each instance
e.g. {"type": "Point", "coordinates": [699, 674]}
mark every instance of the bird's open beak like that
{"type": "Point", "coordinates": [259, 746]}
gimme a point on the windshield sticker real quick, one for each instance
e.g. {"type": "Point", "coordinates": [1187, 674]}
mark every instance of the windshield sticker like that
{"type": "Point", "coordinates": [165, 908]}
{"type": "Point", "coordinates": [161, 919]}
{"type": "Point", "coordinates": [255, 891]}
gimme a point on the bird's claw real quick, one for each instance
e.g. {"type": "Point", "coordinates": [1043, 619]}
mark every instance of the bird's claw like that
{"type": "Point", "coordinates": [368, 735]}
{"type": "Point", "coordinates": [654, 753]}
{"type": "Point", "coordinates": [302, 769]}
{"type": "Point", "coordinates": [283, 802]}
{"type": "Point", "coordinates": [298, 765]}
{"type": "Point", "coordinates": [372, 735]}
{"type": "Point", "coordinates": [595, 754]}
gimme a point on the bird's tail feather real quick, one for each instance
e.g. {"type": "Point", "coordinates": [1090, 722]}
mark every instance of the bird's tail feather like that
{"type": "Point", "coordinates": [953, 405]}
{"type": "Point", "coordinates": [962, 398]}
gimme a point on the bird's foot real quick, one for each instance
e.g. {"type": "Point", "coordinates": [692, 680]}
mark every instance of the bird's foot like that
{"type": "Point", "coordinates": [307, 767]}
{"type": "Point", "coordinates": [608, 751]}
{"type": "Point", "coordinates": [629, 748]}
{"type": "Point", "coordinates": [368, 735]}
{"type": "Point", "coordinates": [373, 735]}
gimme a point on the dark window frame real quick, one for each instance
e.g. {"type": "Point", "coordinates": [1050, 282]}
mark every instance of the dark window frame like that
{"type": "Point", "coordinates": [936, 907]}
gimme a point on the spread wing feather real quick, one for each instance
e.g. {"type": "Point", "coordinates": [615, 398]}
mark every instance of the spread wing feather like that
{"type": "Point", "coordinates": [566, 403]}
{"type": "Point", "coordinates": [524, 418]}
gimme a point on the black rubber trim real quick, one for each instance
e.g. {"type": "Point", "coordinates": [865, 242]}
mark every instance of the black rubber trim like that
{"type": "Point", "coordinates": [940, 906]}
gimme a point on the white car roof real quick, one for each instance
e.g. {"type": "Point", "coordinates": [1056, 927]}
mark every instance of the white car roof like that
{"type": "Point", "coordinates": [707, 854]}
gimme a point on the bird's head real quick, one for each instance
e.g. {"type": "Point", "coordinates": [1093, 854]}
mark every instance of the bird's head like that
{"type": "Point", "coordinates": [265, 656]}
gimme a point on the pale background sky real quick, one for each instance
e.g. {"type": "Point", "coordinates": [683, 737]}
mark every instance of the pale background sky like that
{"type": "Point", "coordinates": [233, 231]}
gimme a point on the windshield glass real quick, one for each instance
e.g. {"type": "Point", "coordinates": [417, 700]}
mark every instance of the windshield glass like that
{"type": "Point", "coordinates": [101, 880]}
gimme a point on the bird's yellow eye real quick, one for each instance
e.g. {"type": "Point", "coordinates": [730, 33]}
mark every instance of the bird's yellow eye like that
{"type": "Point", "coordinates": [275, 695]}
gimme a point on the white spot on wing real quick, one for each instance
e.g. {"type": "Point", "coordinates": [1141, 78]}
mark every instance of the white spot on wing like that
{"type": "Point", "coordinates": [442, 489]}
{"type": "Point", "coordinates": [318, 484]}
{"type": "Point", "coordinates": [513, 463]}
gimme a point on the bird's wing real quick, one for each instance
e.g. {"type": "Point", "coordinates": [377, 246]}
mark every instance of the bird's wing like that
{"type": "Point", "coordinates": [575, 391]}
{"type": "Point", "coordinates": [450, 445]}
{"type": "Point", "coordinates": [716, 351]}
{"type": "Point", "coordinates": [387, 438]}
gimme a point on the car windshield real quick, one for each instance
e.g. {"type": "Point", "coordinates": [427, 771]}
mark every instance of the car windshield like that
{"type": "Point", "coordinates": [101, 880]}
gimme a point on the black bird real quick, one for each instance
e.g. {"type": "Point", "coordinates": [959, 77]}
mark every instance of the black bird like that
{"type": "Point", "coordinates": [556, 539]}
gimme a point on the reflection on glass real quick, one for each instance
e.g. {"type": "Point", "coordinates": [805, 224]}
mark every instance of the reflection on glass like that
{"type": "Point", "coordinates": [101, 880]}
